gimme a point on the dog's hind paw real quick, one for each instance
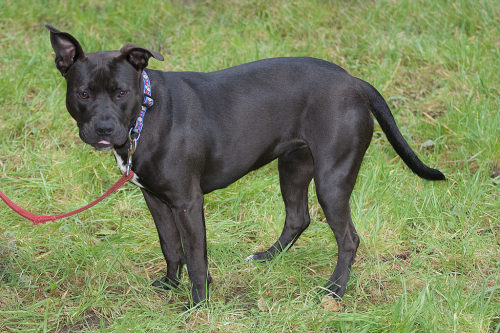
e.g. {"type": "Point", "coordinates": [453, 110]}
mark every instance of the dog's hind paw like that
{"type": "Point", "coordinates": [259, 256]}
{"type": "Point", "coordinates": [250, 259]}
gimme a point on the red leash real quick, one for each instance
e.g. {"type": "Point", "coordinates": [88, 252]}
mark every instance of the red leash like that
{"type": "Point", "coordinates": [42, 218]}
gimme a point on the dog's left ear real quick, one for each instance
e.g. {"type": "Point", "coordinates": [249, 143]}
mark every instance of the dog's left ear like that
{"type": "Point", "coordinates": [138, 56]}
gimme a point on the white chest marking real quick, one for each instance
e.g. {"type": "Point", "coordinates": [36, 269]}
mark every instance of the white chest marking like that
{"type": "Point", "coordinates": [123, 167]}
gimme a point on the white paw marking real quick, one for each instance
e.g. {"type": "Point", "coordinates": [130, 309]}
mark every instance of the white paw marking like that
{"type": "Point", "coordinates": [250, 259]}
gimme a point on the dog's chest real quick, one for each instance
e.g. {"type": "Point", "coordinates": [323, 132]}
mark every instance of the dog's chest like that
{"type": "Point", "coordinates": [123, 168]}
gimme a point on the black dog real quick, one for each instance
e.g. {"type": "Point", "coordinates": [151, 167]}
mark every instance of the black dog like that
{"type": "Point", "coordinates": [207, 130]}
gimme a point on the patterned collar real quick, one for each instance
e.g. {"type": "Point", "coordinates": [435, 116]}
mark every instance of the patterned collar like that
{"type": "Point", "coordinates": [146, 103]}
{"type": "Point", "coordinates": [135, 132]}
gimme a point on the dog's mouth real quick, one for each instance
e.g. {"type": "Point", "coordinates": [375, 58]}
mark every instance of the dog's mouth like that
{"type": "Point", "coordinates": [103, 141]}
{"type": "Point", "coordinates": [103, 145]}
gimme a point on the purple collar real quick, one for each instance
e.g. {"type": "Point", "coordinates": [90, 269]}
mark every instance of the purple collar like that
{"type": "Point", "coordinates": [135, 132]}
{"type": "Point", "coordinates": [146, 103]}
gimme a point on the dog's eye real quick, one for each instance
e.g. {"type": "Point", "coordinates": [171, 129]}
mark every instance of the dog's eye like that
{"type": "Point", "coordinates": [122, 94]}
{"type": "Point", "coordinates": [84, 95]}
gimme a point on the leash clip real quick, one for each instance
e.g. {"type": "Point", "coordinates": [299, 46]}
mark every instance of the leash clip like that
{"type": "Point", "coordinates": [132, 148]}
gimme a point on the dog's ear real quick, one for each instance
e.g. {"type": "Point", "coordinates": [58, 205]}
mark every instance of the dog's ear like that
{"type": "Point", "coordinates": [138, 56]}
{"type": "Point", "coordinates": [67, 49]}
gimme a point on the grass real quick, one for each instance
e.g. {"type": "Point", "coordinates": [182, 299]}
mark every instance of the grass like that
{"type": "Point", "coordinates": [429, 259]}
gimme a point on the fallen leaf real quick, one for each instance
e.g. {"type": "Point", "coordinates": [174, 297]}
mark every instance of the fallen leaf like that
{"type": "Point", "coordinates": [330, 304]}
{"type": "Point", "coordinates": [261, 304]}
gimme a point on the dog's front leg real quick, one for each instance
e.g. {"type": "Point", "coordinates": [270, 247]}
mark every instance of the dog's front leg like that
{"type": "Point", "coordinates": [170, 241]}
{"type": "Point", "coordinates": [190, 221]}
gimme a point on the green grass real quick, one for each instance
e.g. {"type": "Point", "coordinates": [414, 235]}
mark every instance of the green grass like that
{"type": "Point", "coordinates": [429, 259]}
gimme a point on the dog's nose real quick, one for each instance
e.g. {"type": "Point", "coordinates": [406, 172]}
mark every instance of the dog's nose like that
{"type": "Point", "coordinates": [104, 128]}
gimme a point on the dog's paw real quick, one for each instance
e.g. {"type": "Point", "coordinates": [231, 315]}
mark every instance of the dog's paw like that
{"type": "Point", "coordinates": [323, 294]}
{"type": "Point", "coordinates": [259, 256]}
{"type": "Point", "coordinates": [250, 259]}
{"type": "Point", "coordinates": [190, 307]}
{"type": "Point", "coordinates": [165, 284]}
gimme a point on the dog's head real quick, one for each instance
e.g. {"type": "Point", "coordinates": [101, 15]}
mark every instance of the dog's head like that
{"type": "Point", "coordinates": [104, 89]}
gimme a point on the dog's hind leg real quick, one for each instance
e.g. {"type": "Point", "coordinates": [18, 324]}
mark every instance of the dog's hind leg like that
{"type": "Point", "coordinates": [333, 196]}
{"type": "Point", "coordinates": [335, 174]}
{"type": "Point", "coordinates": [170, 241]}
{"type": "Point", "coordinates": [296, 172]}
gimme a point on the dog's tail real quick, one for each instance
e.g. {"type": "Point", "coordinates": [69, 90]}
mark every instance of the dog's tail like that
{"type": "Point", "coordinates": [383, 114]}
